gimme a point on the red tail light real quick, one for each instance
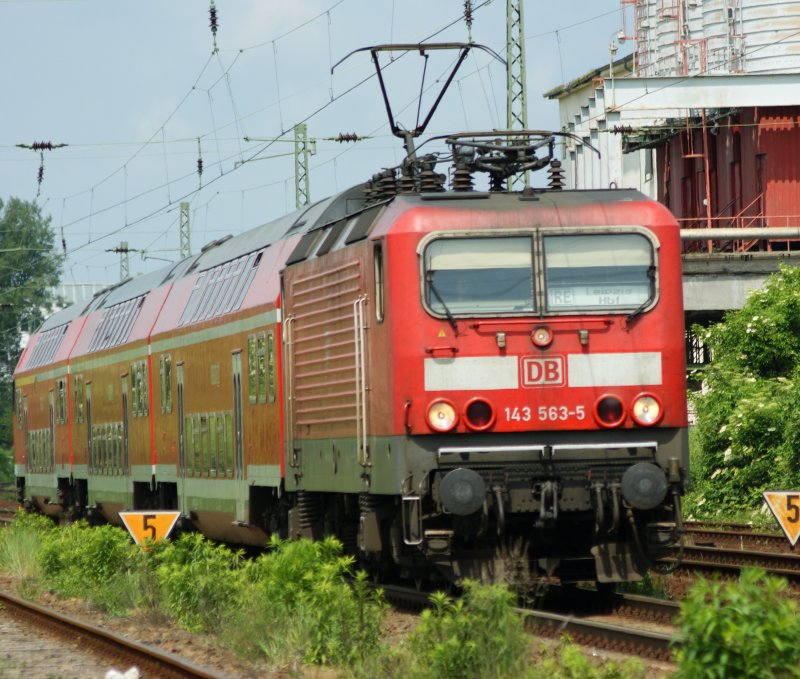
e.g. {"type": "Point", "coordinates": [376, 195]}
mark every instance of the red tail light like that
{"type": "Point", "coordinates": [479, 414]}
{"type": "Point", "coordinates": [609, 411]}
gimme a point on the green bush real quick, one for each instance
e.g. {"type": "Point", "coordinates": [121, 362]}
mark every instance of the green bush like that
{"type": "Point", "coordinates": [326, 615]}
{"type": "Point", "coordinates": [479, 635]}
{"type": "Point", "coordinates": [20, 546]}
{"type": "Point", "coordinates": [100, 564]}
{"type": "Point", "coordinates": [747, 628]}
{"type": "Point", "coordinates": [748, 428]}
{"type": "Point", "coordinates": [198, 581]}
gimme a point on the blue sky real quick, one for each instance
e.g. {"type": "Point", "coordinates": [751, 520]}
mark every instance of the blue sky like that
{"type": "Point", "coordinates": [131, 86]}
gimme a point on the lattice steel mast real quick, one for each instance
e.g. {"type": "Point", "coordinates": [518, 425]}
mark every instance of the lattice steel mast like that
{"type": "Point", "coordinates": [516, 105]}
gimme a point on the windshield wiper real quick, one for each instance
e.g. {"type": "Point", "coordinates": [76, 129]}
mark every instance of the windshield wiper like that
{"type": "Point", "coordinates": [633, 315]}
{"type": "Point", "coordinates": [436, 294]}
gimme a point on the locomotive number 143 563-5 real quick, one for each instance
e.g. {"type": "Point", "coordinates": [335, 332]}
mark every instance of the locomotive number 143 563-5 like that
{"type": "Point", "coordinates": [544, 413]}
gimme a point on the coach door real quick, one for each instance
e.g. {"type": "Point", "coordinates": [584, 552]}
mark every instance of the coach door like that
{"type": "Point", "coordinates": [181, 442]}
{"type": "Point", "coordinates": [89, 441]}
{"type": "Point", "coordinates": [241, 490]}
{"type": "Point", "coordinates": [121, 461]}
{"type": "Point", "coordinates": [52, 431]}
{"type": "Point", "coordinates": [124, 443]}
{"type": "Point", "coordinates": [25, 433]}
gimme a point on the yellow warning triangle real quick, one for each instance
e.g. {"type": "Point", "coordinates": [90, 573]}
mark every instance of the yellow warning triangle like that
{"type": "Point", "coordinates": [442, 333]}
{"type": "Point", "coordinates": [152, 525]}
{"type": "Point", "coordinates": [785, 507]}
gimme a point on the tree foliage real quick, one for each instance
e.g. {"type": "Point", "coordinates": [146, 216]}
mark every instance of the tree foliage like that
{"type": "Point", "coordinates": [748, 425]}
{"type": "Point", "coordinates": [30, 267]}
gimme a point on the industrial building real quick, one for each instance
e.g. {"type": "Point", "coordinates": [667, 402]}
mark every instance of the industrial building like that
{"type": "Point", "coordinates": [704, 116]}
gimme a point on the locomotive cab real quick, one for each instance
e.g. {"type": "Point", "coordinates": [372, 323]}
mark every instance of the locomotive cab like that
{"type": "Point", "coordinates": [541, 386]}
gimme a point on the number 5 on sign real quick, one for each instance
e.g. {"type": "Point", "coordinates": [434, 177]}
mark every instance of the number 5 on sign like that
{"type": "Point", "coordinates": [785, 507]}
{"type": "Point", "coordinates": [152, 525]}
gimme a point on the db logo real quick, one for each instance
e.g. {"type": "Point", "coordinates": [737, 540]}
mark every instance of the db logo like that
{"type": "Point", "coordinates": [537, 372]}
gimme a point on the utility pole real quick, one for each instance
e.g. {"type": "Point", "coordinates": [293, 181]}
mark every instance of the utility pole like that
{"type": "Point", "coordinates": [516, 105]}
{"type": "Point", "coordinates": [184, 237]}
{"type": "Point", "coordinates": [302, 150]}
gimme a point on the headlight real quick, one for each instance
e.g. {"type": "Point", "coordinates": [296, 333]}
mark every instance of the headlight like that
{"type": "Point", "coordinates": [442, 416]}
{"type": "Point", "coordinates": [646, 410]}
{"type": "Point", "coordinates": [609, 411]}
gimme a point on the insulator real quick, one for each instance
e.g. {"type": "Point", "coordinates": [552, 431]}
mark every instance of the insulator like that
{"type": "Point", "coordinates": [200, 167]}
{"type": "Point", "coordinates": [42, 146]}
{"type": "Point", "coordinates": [369, 191]}
{"type": "Point", "coordinates": [40, 175]}
{"type": "Point", "coordinates": [462, 179]}
{"type": "Point", "coordinates": [406, 183]}
{"type": "Point", "coordinates": [556, 175]}
{"type": "Point", "coordinates": [212, 15]}
{"type": "Point", "coordinates": [431, 182]}
{"type": "Point", "coordinates": [346, 136]}
{"type": "Point", "coordinates": [496, 182]}
{"type": "Point", "coordinates": [387, 184]}
{"type": "Point", "coordinates": [622, 129]}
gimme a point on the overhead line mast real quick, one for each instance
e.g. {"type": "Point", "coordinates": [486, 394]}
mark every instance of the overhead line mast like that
{"type": "Point", "coordinates": [516, 104]}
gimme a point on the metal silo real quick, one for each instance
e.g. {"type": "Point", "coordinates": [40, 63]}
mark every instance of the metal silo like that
{"type": "Point", "coordinates": [692, 37]}
{"type": "Point", "coordinates": [770, 35]}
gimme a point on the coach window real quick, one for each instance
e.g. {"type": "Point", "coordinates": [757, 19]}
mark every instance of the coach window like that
{"type": "Point", "coordinates": [478, 276]}
{"type": "Point", "coordinates": [252, 369]}
{"type": "Point", "coordinates": [165, 375]}
{"type": "Point", "coordinates": [77, 392]}
{"type": "Point", "coordinates": [262, 367]}
{"type": "Point", "coordinates": [271, 366]}
{"type": "Point", "coordinates": [61, 401]}
{"type": "Point", "coordinates": [598, 272]}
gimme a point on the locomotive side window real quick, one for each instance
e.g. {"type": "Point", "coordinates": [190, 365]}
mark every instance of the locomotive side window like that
{"type": "Point", "coordinates": [479, 275]}
{"type": "Point", "coordinates": [598, 271]}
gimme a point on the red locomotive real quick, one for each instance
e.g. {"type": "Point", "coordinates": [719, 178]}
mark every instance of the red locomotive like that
{"type": "Point", "coordinates": [490, 383]}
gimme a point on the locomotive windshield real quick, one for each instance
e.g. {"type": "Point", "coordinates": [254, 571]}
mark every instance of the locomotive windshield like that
{"type": "Point", "coordinates": [605, 271]}
{"type": "Point", "coordinates": [581, 272]}
{"type": "Point", "coordinates": [479, 275]}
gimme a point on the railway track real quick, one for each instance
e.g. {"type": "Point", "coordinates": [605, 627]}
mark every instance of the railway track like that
{"type": "Point", "coordinates": [118, 650]}
{"type": "Point", "coordinates": [628, 624]}
{"type": "Point", "coordinates": [735, 535]}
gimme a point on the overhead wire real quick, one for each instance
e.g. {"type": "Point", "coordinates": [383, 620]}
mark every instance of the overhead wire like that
{"type": "Point", "coordinates": [238, 122]}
